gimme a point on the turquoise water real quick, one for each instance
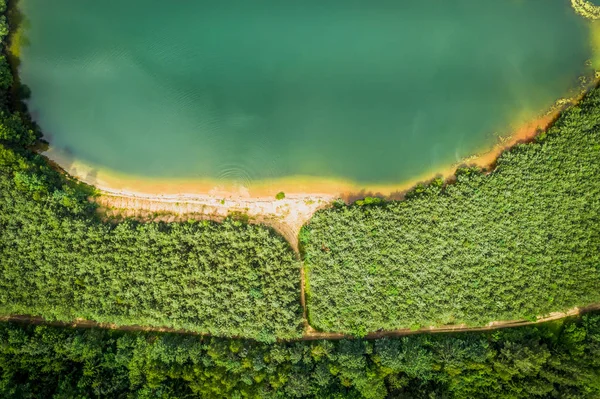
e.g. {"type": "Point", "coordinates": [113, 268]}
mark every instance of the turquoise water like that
{"type": "Point", "coordinates": [374, 91]}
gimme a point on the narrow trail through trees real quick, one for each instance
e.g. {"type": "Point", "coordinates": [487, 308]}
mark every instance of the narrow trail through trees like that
{"type": "Point", "coordinates": [312, 335]}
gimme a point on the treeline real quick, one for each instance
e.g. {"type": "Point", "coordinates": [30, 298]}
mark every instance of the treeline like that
{"type": "Point", "coordinates": [59, 261]}
{"type": "Point", "coordinates": [521, 241]}
{"type": "Point", "coordinates": [555, 360]}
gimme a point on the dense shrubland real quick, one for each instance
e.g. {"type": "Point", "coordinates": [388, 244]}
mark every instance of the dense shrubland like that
{"type": "Point", "coordinates": [558, 360]}
{"type": "Point", "coordinates": [58, 261]}
{"type": "Point", "coordinates": [521, 241]}
{"type": "Point", "coordinates": [224, 279]}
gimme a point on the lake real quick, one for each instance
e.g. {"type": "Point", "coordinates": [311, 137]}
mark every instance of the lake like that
{"type": "Point", "coordinates": [238, 91]}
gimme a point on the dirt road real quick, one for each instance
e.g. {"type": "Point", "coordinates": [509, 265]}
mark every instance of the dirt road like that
{"type": "Point", "coordinates": [310, 334]}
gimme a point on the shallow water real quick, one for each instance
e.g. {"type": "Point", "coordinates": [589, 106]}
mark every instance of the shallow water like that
{"type": "Point", "coordinates": [372, 91]}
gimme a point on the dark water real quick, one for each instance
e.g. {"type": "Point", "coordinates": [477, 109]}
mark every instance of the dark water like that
{"type": "Point", "coordinates": [371, 91]}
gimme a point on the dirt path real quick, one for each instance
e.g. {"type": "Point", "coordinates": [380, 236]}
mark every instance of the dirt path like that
{"type": "Point", "coordinates": [313, 335]}
{"type": "Point", "coordinates": [495, 325]}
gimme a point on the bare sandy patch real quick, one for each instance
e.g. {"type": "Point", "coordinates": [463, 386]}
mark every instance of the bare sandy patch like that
{"type": "Point", "coordinates": [286, 216]}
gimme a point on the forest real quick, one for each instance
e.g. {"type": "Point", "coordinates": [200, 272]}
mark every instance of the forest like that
{"type": "Point", "coordinates": [521, 241]}
{"type": "Point", "coordinates": [59, 260]}
{"type": "Point", "coordinates": [516, 242]}
{"type": "Point", "coordinates": [554, 360]}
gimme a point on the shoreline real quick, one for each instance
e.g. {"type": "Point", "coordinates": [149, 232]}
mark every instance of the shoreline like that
{"type": "Point", "coordinates": [148, 200]}
{"type": "Point", "coordinates": [308, 188]}
{"type": "Point", "coordinates": [298, 187]}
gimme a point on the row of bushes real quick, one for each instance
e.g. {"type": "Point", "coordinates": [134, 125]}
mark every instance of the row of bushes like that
{"type": "Point", "coordinates": [521, 241]}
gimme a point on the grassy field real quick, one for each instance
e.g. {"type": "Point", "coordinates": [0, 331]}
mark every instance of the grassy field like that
{"type": "Point", "coordinates": [519, 242]}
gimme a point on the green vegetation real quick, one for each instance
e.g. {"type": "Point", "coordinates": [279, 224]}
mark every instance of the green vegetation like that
{"type": "Point", "coordinates": [586, 9]}
{"type": "Point", "coordinates": [59, 261]}
{"type": "Point", "coordinates": [280, 195]}
{"type": "Point", "coordinates": [557, 360]}
{"type": "Point", "coordinates": [224, 279]}
{"type": "Point", "coordinates": [521, 241]}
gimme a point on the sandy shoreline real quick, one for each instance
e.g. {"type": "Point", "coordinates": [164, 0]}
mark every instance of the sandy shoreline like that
{"type": "Point", "coordinates": [305, 187]}
{"type": "Point", "coordinates": [178, 200]}
{"type": "Point", "coordinates": [170, 200]}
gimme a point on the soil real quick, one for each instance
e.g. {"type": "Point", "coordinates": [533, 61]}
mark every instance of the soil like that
{"type": "Point", "coordinates": [286, 216]}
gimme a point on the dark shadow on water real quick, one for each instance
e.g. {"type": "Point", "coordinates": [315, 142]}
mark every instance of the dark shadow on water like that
{"type": "Point", "coordinates": [91, 177]}
{"type": "Point", "coordinates": [41, 146]}
{"type": "Point", "coordinates": [351, 197]}
{"type": "Point", "coordinates": [66, 168]}
{"type": "Point", "coordinates": [67, 161]}
{"type": "Point", "coordinates": [16, 41]}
